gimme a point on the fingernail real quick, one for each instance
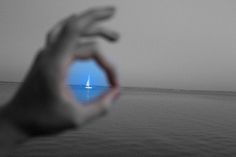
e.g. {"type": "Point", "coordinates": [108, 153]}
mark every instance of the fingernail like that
{"type": "Point", "coordinates": [114, 37]}
{"type": "Point", "coordinates": [111, 8]}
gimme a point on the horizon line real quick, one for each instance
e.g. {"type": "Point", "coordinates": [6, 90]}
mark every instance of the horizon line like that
{"type": "Point", "coordinates": [162, 90]}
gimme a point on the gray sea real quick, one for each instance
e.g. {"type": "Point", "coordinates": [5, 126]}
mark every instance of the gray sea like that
{"type": "Point", "coordinates": [146, 122]}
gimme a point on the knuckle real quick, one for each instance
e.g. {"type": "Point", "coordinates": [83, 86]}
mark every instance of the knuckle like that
{"type": "Point", "coordinates": [40, 56]}
{"type": "Point", "coordinates": [69, 27]}
{"type": "Point", "coordinates": [103, 110]}
{"type": "Point", "coordinates": [77, 121]}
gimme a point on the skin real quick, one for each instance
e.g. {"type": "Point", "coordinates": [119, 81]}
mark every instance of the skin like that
{"type": "Point", "coordinates": [44, 104]}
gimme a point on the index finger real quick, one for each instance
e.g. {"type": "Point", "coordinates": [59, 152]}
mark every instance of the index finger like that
{"type": "Point", "coordinates": [92, 16]}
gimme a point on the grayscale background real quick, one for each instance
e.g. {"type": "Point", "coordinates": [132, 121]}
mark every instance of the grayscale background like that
{"type": "Point", "coordinates": [174, 44]}
{"type": "Point", "coordinates": [184, 44]}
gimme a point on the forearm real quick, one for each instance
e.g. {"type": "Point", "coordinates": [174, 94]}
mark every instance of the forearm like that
{"type": "Point", "coordinates": [10, 136]}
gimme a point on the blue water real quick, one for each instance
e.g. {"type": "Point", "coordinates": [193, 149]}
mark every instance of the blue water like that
{"type": "Point", "coordinates": [84, 95]}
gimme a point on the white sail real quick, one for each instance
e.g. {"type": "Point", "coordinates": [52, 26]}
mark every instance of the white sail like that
{"type": "Point", "coordinates": [88, 86]}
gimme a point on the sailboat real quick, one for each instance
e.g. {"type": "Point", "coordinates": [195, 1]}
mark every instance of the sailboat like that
{"type": "Point", "coordinates": [88, 85]}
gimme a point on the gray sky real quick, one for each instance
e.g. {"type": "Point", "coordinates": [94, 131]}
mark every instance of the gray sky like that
{"type": "Point", "coordinates": [183, 44]}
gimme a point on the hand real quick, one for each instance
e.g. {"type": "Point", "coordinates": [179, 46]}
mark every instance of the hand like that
{"type": "Point", "coordinates": [44, 104]}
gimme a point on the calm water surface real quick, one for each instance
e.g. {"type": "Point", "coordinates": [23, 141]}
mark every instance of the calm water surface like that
{"type": "Point", "coordinates": [84, 95]}
{"type": "Point", "coordinates": [144, 123]}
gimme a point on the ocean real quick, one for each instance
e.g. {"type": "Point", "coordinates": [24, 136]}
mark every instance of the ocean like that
{"type": "Point", "coordinates": [147, 123]}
